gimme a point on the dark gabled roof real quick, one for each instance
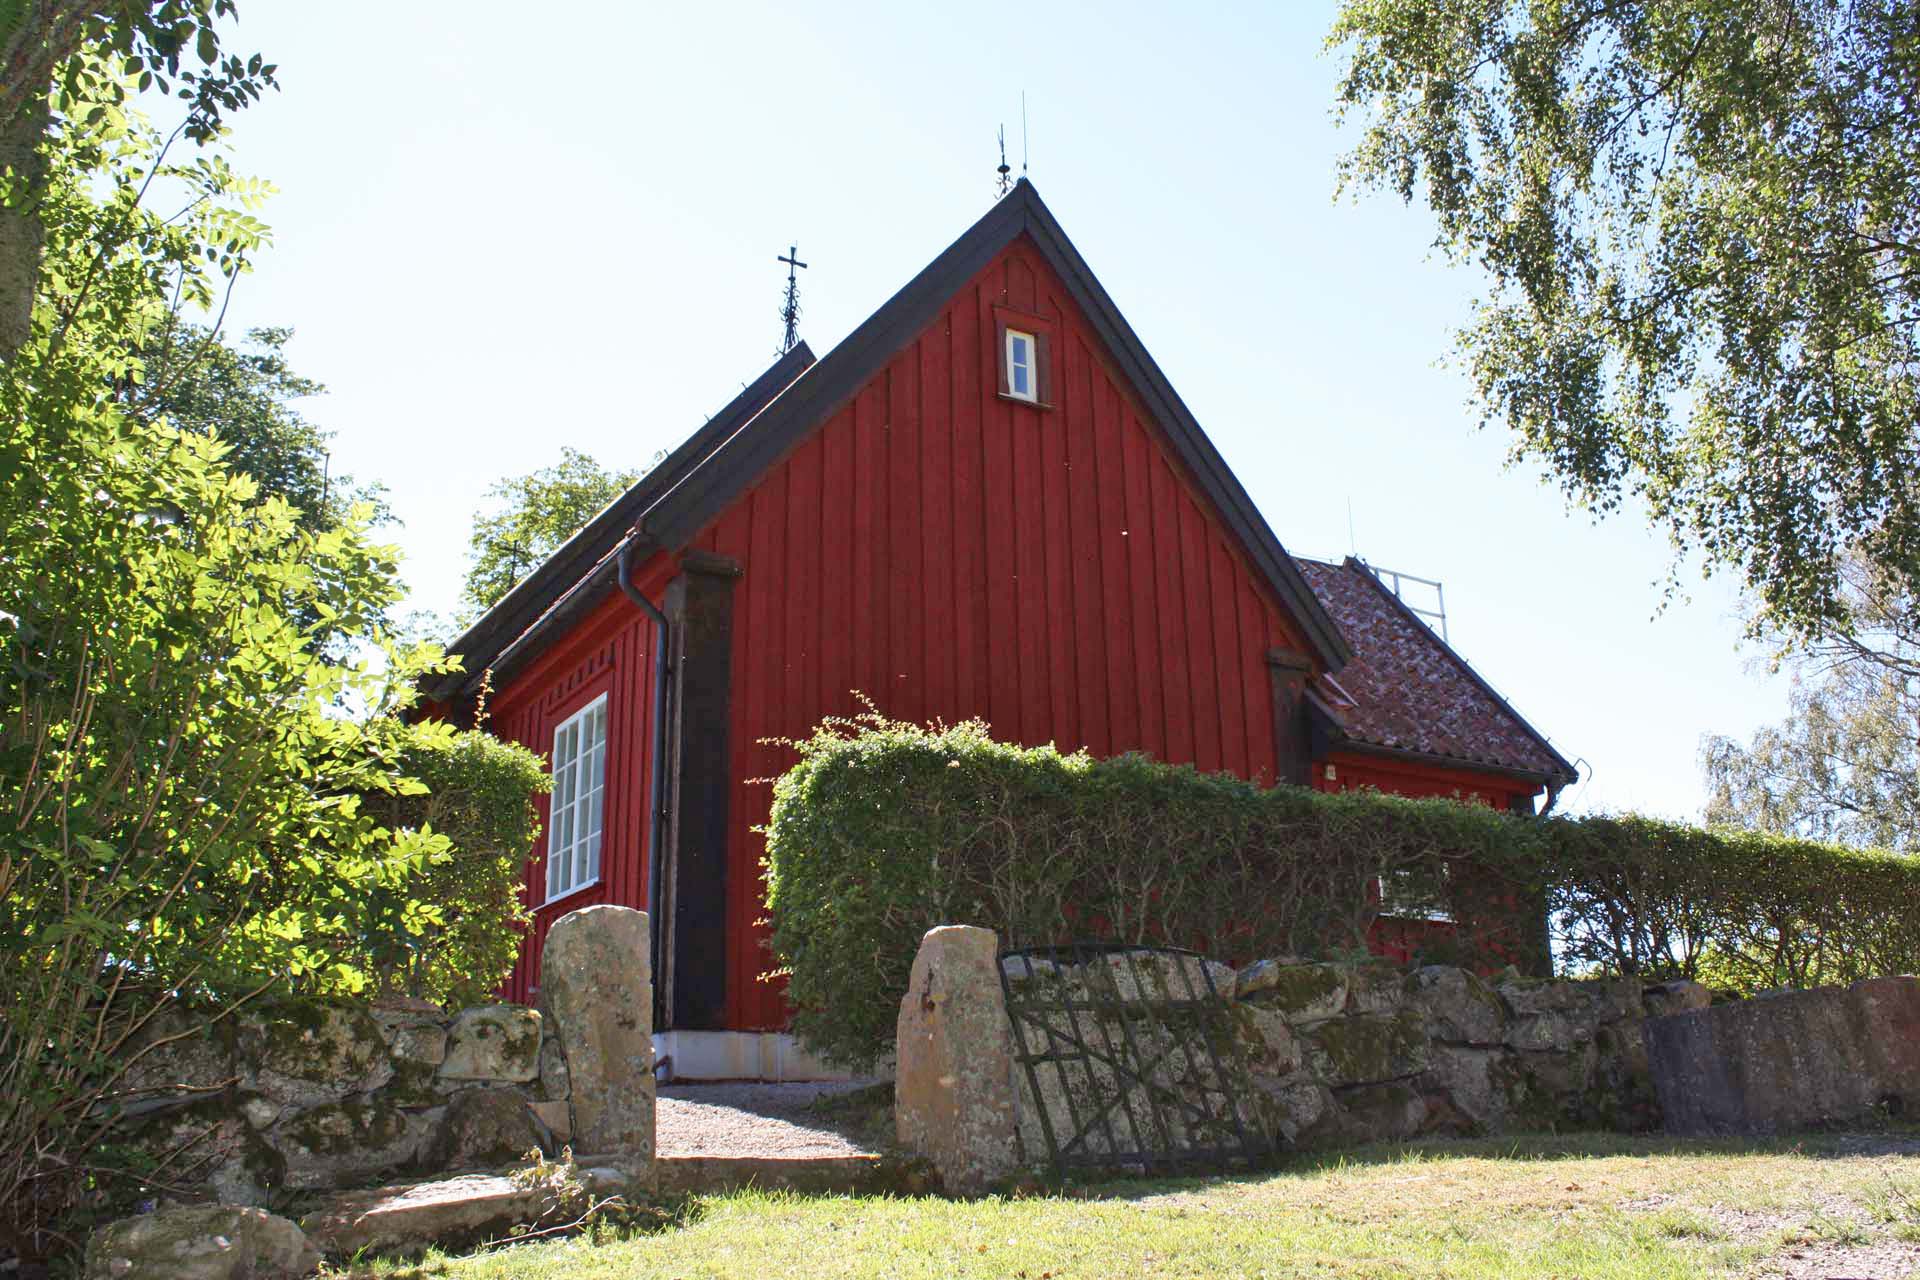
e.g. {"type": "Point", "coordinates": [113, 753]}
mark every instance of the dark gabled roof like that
{"type": "Point", "coordinates": [676, 500]}
{"type": "Point", "coordinates": [741, 460]}
{"type": "Point", "coordinates": [1407, 691]}
{"type": "Point", "coordinates": [559, 578]}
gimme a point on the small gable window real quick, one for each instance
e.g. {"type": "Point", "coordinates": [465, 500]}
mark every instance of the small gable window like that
{"type": "Point", "coordinates": [578, 809]}
{"type": "Point", "coordinates": [1022, 379]}
{"type": "Point", "coordinates": [1025, 342]}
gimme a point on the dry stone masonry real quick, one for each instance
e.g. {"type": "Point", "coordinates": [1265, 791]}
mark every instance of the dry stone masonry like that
{"type": "Point", "coordinates": [315, 1096]}
{"type": "Point", "coordinates": [1337, 1054]}
{"type": "Point", "coordinates": [279, 1103]}
{"type": "Point", "coordinates": [1790, 1060]}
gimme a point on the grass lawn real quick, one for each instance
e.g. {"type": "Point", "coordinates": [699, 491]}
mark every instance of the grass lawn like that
{"type": "Point", "coordinates": [1584, 1205]}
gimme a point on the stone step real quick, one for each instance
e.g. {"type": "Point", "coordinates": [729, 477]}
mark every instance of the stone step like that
{"type": "Point", "coordinates": [459, 1211]}
{"type": "Point", "coordinates": [466, 1210]}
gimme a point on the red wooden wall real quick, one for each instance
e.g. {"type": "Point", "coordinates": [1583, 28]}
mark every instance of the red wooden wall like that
{"type": "Point", "coordinates": [952, 554]}
{"type": "Point", "coordinates": [610, 651]}
{"type": "Point", "coordinates": [1401, 940]}
{"type": "Point", "coordinates": [1354, 769]}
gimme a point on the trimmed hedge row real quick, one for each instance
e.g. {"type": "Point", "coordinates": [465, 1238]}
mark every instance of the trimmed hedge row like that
{"type": "Point", "coordinates": [1737, 909]}
{"type": "Point", "coordinates": [885, 829]}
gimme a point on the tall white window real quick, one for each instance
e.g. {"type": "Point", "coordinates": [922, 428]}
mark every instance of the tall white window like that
{"type": "Point", "coordinates": [575, 815]}
{"type": "Point", "coordinates": [1021, 380]}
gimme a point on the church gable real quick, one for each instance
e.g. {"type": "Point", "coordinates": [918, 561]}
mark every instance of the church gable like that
{"type": "Point", "coordinates": [1020, 219]}
{"type": "Point", "coordinates": [951, 550]}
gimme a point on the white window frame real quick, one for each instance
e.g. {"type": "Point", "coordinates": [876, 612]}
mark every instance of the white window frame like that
{"type": "Point", "coordinates": [574, 847]}
{"type": "Point", "coordinates": [1031, 364]}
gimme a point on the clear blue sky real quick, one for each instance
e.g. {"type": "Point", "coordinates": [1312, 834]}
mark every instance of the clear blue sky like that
{"type": "Point", "coordinates": [505, 228]}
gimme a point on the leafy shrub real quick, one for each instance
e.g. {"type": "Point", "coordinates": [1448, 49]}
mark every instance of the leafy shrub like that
{"type": "Point", "coordinates": [197, 692]}
{"type": "Point", "coordinates": [883, 830]}
{"type": "Point", "coordinates": [1740, 909]}
{"type": "Point", "coordinates": [476, 791]}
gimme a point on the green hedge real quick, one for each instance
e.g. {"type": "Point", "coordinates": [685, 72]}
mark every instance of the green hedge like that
{"type": "Point", "coordinates": [884, 829]}
{"type": "Point", "coordinates": [1739, 909]}
{"type": "Point", "coordinates": [451, 935]}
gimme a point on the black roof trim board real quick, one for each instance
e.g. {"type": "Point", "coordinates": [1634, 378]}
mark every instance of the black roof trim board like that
{"type": "Point", "coordinates": [1215, 477]}
{"type": "Point", "coordinates": [835, 380]}
{"type": "Point", "coordinates": [1569, 774]}
{"type": "Point", "coordinates": [574, 603]}
{"type": "Point", "coordinates": [676, 500]}
{"type": "Point", "coordinates": [736, 464]}
{"type": "Point", "coordinates": [560, 574]}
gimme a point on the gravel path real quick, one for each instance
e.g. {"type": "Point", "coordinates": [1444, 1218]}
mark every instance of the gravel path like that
{"type": "Point", "coordinates": [754, 1120]}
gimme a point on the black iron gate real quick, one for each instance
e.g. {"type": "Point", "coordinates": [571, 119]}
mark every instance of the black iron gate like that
{"type": "Point", "coordinates": [1130, 1057]}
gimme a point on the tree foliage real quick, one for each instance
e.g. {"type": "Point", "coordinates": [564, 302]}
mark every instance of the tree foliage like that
{"type": "Point", "coordinates": [172, 46]}
{"type": "Point", "coordinates": [1701, 224]}
{"type": "Point", "coordinates": [246, 396]}
{"type": "Point", "coordinates": [479, 795]}
{"type": "Point", "coordinates": [533, 515]}
{"type": "Point", "coordinates": [197, 692]}
{"type": "Point", "coordinates": [1844, 765]}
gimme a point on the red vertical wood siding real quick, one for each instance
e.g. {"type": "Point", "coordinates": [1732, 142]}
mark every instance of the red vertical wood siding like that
{"type": "Point", "coordinates": [952, 554]}
{"type": "Point", "coordinates": [610, 651]}
{"type": "Point", "coordinates": [1399, 940]}
{"type": "Point", "coordinates": [1353, 769]}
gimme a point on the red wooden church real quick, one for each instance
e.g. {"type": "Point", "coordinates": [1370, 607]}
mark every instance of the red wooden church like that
{"type": "Point", "coordinates": [987, 501]}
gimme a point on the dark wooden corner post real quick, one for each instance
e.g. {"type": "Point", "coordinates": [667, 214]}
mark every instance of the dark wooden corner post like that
{"type": "Point", "coordinates": [1533, 941]}
{"type": "Point", "coordinates": [700, 769]}
{"type": "Point", "coordinates": [1293, 747]}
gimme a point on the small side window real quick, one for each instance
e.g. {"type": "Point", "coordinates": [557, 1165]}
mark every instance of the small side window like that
{"type": "Point", "coordinates": [1022, 379]}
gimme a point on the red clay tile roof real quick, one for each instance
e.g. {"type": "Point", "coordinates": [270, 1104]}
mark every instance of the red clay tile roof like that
{"type": "Point", "coordinates": [1405, 689]}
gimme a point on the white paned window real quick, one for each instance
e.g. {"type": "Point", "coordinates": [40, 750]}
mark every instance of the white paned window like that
{"type": "Point", "coordinates": [1022, 382]}
{"type": "Point", "coordinates": [575, 813]}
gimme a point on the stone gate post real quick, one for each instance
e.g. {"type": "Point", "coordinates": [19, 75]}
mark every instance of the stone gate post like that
{"type": "Point", "coordinates": [596, 981]}
{"type": "Point", "coordinates": [953, 1084]}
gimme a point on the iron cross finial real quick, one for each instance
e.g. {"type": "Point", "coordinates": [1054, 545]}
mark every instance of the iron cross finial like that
{"type": "Point", "coordinates": [790, 310]}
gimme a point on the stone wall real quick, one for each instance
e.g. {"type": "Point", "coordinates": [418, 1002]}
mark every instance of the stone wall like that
{"type": "Point", "coordinates": [1316, 1054]}
{"type": "Point", "coordinates": [323, 1095]}
{"type": "Point", "coordinates": [1791, 1060]}
{"type": "Point", "coordinates": [1340, 1054]}
{"type": "Point", "coordinates": [1326, 1054]}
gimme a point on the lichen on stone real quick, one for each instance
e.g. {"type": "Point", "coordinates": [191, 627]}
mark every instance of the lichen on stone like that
{"type": "Point", "coordinates": [343, 1128]}
{"type": "Point", "coordinates": [1347, 1051]}
{"type": "Point", "coordinates": [1305, 992]}
{"type": "Point", "coordinates": [306, 1051]}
